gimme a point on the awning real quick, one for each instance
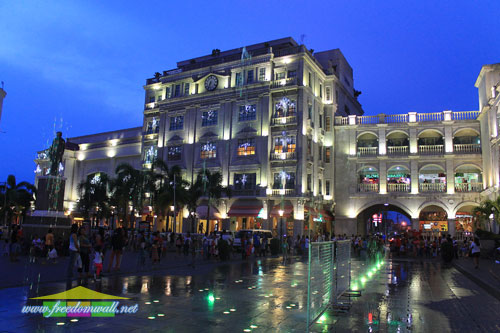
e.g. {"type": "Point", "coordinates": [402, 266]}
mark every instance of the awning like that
{"type": "Point", "coordinates": [311, 211]}
{"type": "Point", "coordinates": [245, 207]}
{"type": "Point", "coordinates": [327, 215]}
{"type": "Point", "coordinates": [287, 209]}
{"type": "Point", "coordinates": [201, 211]}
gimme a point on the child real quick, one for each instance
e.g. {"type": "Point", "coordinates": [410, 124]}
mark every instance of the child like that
{"type": "Point", "coordinates": [154, 252]}
{"type": "Point", "coordinates": [98, 256]}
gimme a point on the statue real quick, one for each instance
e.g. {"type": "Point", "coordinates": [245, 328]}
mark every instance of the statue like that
{"type": "Point", "coordinates": [55, 154]}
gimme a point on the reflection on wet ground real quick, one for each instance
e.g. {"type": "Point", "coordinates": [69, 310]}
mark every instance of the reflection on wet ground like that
{"type": "Point", "coordinates": [266, 296]}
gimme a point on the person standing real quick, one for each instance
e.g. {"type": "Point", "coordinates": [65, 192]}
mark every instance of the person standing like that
{"type": "Point", "coordinates": [98, 257]}
{"type": "Point", "coordinates": [117, 245]}
{"type": "Point", "coordinates": [475, 248]}
{"type": "Point", "coordinates": [284, 247]}
{"type": "Point", "coordinates": [74, 249]}
{"type": "Point", "coordinates": [49, 240]}
{"type": "Point", "coordinates": [85, 246]}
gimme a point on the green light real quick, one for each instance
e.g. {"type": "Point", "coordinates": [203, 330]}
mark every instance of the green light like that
{"type": "Point", "coordinates": [370, 274]}
{"type": "Point", "coordinates": [355, 287]}
{"type": "Point", "coordinates": [363, 280]}
{"type": "Point", "coordinates": [323, 318]}
{"type": "Point", "coordinates": [211, 298]}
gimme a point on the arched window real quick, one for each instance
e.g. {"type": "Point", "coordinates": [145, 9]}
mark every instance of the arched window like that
{"type": "Point", "coordinates": [468, 179]}
{"type": "Point", "coordinates": [398, 179]}
{"type": "Point", "coordinates": [368, 180]}
{"type": "Point", "coordinates": [432, 178]}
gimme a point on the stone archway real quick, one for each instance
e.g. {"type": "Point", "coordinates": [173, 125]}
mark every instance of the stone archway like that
{"type": "Point", "coordinates": [383, 218]}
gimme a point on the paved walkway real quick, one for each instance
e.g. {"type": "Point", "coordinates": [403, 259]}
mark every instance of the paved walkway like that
{"type": "Point", "coordinates": [487, 275]}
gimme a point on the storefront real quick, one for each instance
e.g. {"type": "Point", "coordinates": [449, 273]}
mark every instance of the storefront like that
{"type": "Point", "coordinates": [246, 214]}
{"type": "Point", "coordinates": [282, 219]}
{"type": "Point", "coordinates": [214, 220]}
{"type": "Point", "coordinates": [465, 222]}
{"type": "Point", "coordinates": [433, 221]}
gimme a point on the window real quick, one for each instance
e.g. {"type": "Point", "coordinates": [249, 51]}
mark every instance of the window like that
{"type": "Point", "coordinates": [292, 74]}
{"type": "Point", "coordinates": [238, 80]}
{"type": "Point", "coordinates": [284, 178]}
{"type": "Point", "coordinates": [150, 155]}
{"type": "Point", "coordinates": [284, 108]}
{"type": "Point", "coordinates": [328, 93]}
{"type": "Point", "coordinates": [320, 186]}
{"type": "Point", "coordinates": [309, 182]}
{"type": "Point", "coordinates": [247, 112]}
{"type": "Point", "coordinates": [320, 121]}
{"type": "Point", "coordinates": [196, 88]}
{"type": "Point", "coordinates": [250, 76]}
{"type": "Point", "coordinates": [244, 181]}
{"type": "Point", "coordinates": [310, 80]}
{"type": "Point", "coordinates": [284, 144]}
{"type": "Point", "coordinates": [328, 154]}
{"type": "Point", "coordinates": [309, 111]}
{"type": "Point", "coordinates": [262, 74]}
{"type": "Point", "coordinates": [309, 144]}
{"type": "Point", "coordinates": [151, 99]}
{"type": "Point", "coordinates": [320, 153]}
{"type": "Point", "coordinates": [176, 123]}
{"type": "Point", "coordinates": [327, 187]}
{"type": "Point", "coordinates": [280, 76]}
{"type": "Point", "coordinates": [209, 118]}
{"type": "Point", "coordinates": [321, 91]}
{"type": "Point", "coordinates": [208, 150]}
{"type": "Point", "coordinates": [177, 91]}
{"type": "Point", "coordinates": [174, 153]}
{"type": "Point", "coordinates": [246, 147]}
{"type": "Point", "coordinates": [153, 126]}
{"type": "Point", "coordinates": [327, 124]}
{"type": "Point", "coordinates": [186, 89]}
{"type": "Point", "coordinates": [168, 92]}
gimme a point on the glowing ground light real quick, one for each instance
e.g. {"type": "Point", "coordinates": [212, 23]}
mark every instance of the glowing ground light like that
{"type": "Point", "coordinates": [253, 326]}
{"type": "Point", "coordinates": [232, 310]}
{"type": "Point", "coordinates": [211, 298]}
{"type": "Point", "coordinates": [206, 289]}
{"type": "Point", "coordinates": [363, 280]}
{"type": "Point", "coordinates": [161, 315]}
{"type": "Point", "coordinates": [288, 307]}
{"type": "Point", "coordinates": [200, 290]}
{"type": "Point", "coordinates": [322, 319]}
{"type": "Point", "coordinates": [217, 298]}
{"type": "Point", "coordinates": [355, 287]}
{"type": "Point", "coordinates": [247, 330]}
{"type": "Point", "coordinates": [74, 320]}
{"type": "Point", "coordinates": [225, 312]}
{"type": "Point", "coordinates": [60, 324]}
{"type": "Point", "coordinates": [151, 317]}
{"type": "Point", "coordinates": [156, 301]}
{"type": "Point", "coordinates": [147, 303]}
{"type": "Point", "coordinates": [370, 274]}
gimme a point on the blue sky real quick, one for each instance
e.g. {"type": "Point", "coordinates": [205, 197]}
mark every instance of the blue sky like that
{"type": "Point", "coordinates": [80, 66]}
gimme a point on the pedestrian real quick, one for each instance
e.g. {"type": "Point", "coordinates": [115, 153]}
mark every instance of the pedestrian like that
{"type": "Point", "coordinates": [85, 247]}
{"type": "Point", "coordinates": [98, 258]}
{"type": "Point", "coordinates": [117, 244]}
{"type": "Point", "coordinates": [256, 244]}
{"type": "Point", "coordinates": [155, 258]}
{"type": "Point", "coordinates": [475, 249]}
{"type": "Point", "coordinates": [74, 249]}
{"type": "Point", "coordinates": [187, 243]}
{"type": "Point", "coordinates": [178, 244]}
{"type": "Point", "coordinates": [306, 245]}
{"type": "Point", "coordinates": [284, 246]}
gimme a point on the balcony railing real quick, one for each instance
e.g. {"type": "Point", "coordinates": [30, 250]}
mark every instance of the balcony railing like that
{"type": "Point", "coordinates": [367, 187]}
{"type": "Point", "coordinates": [285, 192]}
{"type": "Point", "coordinates": [283, 156]}
{"type": "Point", "coordinates": [362, 120]}
{"type": "Point", "coordinates": [396, 118]}
{"type": "Point", "coordinates": [432, 116]}
{"type": "Point", "coordinates": [467, 148]}
{"type": "Point", "coordinates": [284, 120]}
{"type": "Point", "coordinates": [432, 187]}
{"type": "Point", "coordinates": [464, 115]}
{"type": "Point", "coordinates": [284, 82]}
{"type": "Point", "coordinates": [469, 187]}
{"type": "Point", "coordinates": [367, 151]}
{"type": "Point", "coordinates": [341, 121]}
{"type": "Point", "coordinates": [430, 149]}
{"type": "Point", "coordinates": [397, 150]}
{"type": "Point", "coordinates": [398, 187]}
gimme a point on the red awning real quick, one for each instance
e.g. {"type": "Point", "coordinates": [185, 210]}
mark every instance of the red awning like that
{"type": "Point", "coordinates": [327, 215]}
{"type": "Point", "coordinates": [245, 207]}
{"type": "Point", "coordinates": [287, 209]}
{"type": "Point", "coordinates": [201, 211]}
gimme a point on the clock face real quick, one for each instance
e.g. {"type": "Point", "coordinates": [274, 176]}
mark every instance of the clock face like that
{"type": "Point", "coordinates": [211, 82]}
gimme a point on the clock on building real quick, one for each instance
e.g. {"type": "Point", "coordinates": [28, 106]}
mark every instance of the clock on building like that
{"type": "Point", "coordinates": [211, 82]}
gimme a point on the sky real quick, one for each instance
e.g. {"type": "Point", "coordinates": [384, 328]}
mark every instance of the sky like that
{"type": "Point", "coordinates": [80, 66]}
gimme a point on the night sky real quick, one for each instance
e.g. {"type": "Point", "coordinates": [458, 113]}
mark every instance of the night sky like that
{"type": "Point", "coordinates": [80, 67]}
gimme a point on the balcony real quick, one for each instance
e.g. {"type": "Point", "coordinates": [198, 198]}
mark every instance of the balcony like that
{"type": "Point", "coordinates": [367, 151]}
{"type": "Point", "coordinates": [291, 81]}
{"type": "Point", "coordinates": [373, 188]}
{"type": "Point", "coordinates": [397, 150]}
{"type": "Point", "coordinates": [283, 192]}
{"type": "Point", "coordinates": [469, 187]}
{"type": "Point", "coordinates": [150, 106]}
{"type": "Point", "coordinates": [399, 187]}
{"type": "Point", "coordinates": [252, 192]}
{"type": "Point", "coordinates": [283, 156]}
{"type": "Point", "coordinates": [467, 148]}
{"type": "Point", "coordinates": [283, 121]}
{"type": "Point", "coordinates": [432, 187]}
{"type": "Point", "coordinates": [430, 149]}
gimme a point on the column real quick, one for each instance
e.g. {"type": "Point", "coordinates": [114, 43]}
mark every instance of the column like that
{"type": "Point", "coordinates": [382, 150]}
{"type": "Point", "coordinates": [451, 227]}
{"type": "Point", "coordinates": [450, 177]}
{"type": "Point", "coordinates": [383, 177]}
{"type": "Point", "coordinates": [414, 176]}
{"type": "Point", "coordinates": [448, 139]}
{"type": "Point", "coordinates": [413, 141]}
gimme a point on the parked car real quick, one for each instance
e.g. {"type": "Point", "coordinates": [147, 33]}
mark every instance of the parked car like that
{"type": "Point", "coordinates": [227, 235]}
{"type": "Point", "coordinates": [249, 235]}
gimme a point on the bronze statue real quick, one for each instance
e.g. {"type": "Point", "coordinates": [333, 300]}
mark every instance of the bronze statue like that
{"type": "Point", "coordinates": [56, 152]}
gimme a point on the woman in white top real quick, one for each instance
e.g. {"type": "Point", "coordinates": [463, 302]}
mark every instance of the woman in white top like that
{"type": "Point", "coordinates": [475, 248]}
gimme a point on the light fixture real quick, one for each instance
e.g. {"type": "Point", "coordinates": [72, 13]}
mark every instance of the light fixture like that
{"type": "Point", "coordinates": [386, 204]}
{"type": "Point", "coordinates": [172, 208]}
{"type": "Point", "coordinates": [281, 212]}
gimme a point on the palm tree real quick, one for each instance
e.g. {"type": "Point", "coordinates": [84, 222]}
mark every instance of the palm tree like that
{"type": "Point", "coordinates": [16, 198]}
{"type": "Point", "coordinates": [485, 209]}
{"type": "Point", "coordinates": [193, 193]}
{"type": "Point", "coordinates": [94, 195]}
{"type": "Point", "coordinates": [212, 188]}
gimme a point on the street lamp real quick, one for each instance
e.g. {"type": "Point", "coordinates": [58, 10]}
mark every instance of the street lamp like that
{"type": "Point", "coordinates": [280, 212]}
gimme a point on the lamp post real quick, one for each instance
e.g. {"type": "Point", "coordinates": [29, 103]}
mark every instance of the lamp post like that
{"type": "Point", "coordinates": [280, 212]}
{"type": "Point", "coordinates": [172, 209]}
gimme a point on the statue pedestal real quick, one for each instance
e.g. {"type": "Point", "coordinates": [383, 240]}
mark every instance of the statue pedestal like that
{"type": "Point", "coordinates": [49, 208]}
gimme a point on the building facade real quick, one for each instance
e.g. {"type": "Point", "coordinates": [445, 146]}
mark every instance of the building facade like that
{"type": "Point", "coordinates": [284, 128]}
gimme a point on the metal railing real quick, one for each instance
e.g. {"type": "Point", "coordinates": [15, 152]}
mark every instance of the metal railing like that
{"type": "Point", "coordinates": [283, 156]}
{"type": "Point", "coordinates": [368, 188]}
{"type": "Point", "coordinates": [284, 82]}
{"type": "Point", "coordinates": [469, 187]}
{"type": "Point", "coordinates": [283, 120]}
{"type": "Point", "coordinates": [367, 151]}
{"type": "Point", "coordinates": [432, 187]}
{"type": "Point", "coordinates": [430, 149]}
{"type": "Point", "coordinates": [467, 148]}
{"type": "Point", "coordinates": [285, 192]}
{"type": "Point", "coordinates": [397, 150]}
{"type": "Point", "coordinates": [398, 187]}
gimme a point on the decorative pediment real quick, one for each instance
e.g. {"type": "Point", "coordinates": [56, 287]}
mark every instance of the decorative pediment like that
{"type": "Point", "coordinates": [248, 130]}
{"type": "Point", "coordinates": [209, 135]}
{"type": "Point", "coordinates": [175, 138]}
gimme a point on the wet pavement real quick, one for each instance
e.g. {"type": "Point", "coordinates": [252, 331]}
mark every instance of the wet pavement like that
{"type": "Point", "coordinates": [267, 296]}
